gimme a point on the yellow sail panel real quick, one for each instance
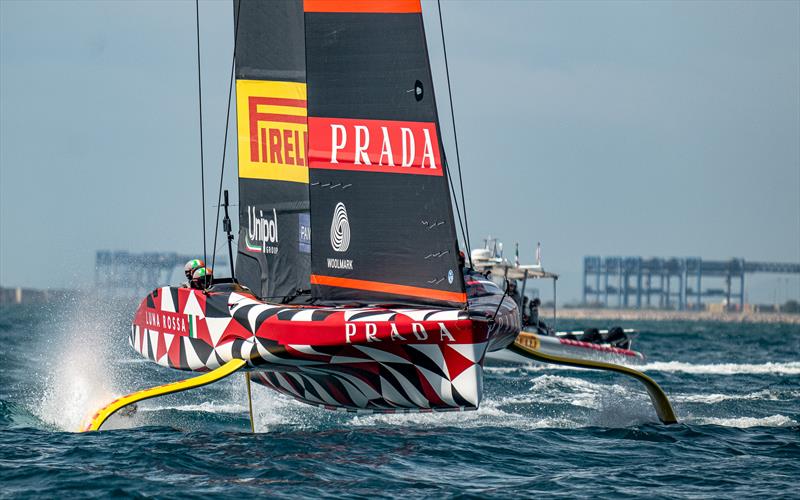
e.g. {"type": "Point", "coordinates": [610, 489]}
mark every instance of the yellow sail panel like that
{"type": "Point", "coordinates": [272, 122]}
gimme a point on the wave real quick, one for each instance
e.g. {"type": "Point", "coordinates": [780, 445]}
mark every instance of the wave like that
{"type": "Point", "coordinates": [769, 368]}
{"type": "Point", "coordinates": [204, 407]}
{"type": "Point", "coordinates": [789, 368]}
{"type": "Point", "coordinates": [745, 422]}
{"type": "Point", "coordinates": [16, 415]}
{"type": "Point", "coordinates": [762, 395]}
{"type": "Point", "coordinates": [551, 401]}
{"type": "Point", "coordinates": [555, 389]}
{"type": "Point", "coordinates": [532, 367]}
{"type": "Point", "coordinates": [487, 415]}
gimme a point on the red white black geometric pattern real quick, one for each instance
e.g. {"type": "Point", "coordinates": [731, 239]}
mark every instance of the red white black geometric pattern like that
{"type": "Point", "coordinates": [360, 359]}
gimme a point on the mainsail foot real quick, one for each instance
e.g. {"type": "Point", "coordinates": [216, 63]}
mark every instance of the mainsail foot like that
{"type": "Point", "coordinates": [183, 385]}
{"type": "Point", "coordinates": [527, 345]}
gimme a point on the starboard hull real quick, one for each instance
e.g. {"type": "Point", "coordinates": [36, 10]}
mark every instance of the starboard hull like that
{"type": "Point", "coordinates": [374, 359]}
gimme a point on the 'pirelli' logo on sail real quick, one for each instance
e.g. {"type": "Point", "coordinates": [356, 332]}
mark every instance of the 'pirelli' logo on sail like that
{"type": "Point", "coordinates": [273, 130]}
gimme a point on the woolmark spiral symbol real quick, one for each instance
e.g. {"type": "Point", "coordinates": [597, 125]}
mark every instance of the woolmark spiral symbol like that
{"type": "Point", "coordinates": [340, 229]}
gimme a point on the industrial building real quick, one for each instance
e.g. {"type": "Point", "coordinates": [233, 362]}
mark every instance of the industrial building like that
{"type": "Point", "coordinates": [140, 271]}
{"type": "Point", "coordinates": [670, 283]}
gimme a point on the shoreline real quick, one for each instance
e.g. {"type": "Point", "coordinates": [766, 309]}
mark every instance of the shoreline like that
{"type": "Point", "coordinates": [657, 315]}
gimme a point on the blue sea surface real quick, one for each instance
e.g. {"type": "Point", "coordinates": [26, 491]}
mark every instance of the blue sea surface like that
{"type": "Point", "coordinates": [540, 431]}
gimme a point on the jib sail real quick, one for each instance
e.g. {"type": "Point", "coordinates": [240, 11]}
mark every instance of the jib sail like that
{"type": "Point", "coordinates": [381, 209]}
{"type": "Point", "coordinates": [274, 251]}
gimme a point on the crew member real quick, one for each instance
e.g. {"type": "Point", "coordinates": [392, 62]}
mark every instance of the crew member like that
{"type": "Point", "coordinates": [526, 319]}
{"type": "Point", "coordinates": [189, 269]}
{"type": "Point", "coordinates": [534, 321]}
{"type": "Point", "coordinates": [533, 312]}
{"type": "Point", "coordinates": [202, 278]}
{"type": "Point", "coordinates": [512, 291]}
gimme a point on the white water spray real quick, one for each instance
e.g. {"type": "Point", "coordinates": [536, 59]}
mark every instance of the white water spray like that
{"type": "Point", "coordinates": [78, 373]}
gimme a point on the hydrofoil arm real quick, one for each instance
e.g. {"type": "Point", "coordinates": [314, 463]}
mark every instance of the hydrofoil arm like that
{"type": "Point", "coordinates": [182, 385]}
{"type": "Point", "coordinates": [527, 345]}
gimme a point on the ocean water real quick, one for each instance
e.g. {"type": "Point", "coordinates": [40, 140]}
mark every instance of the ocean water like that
{"type": "Point", "coordinates": [541, 430]}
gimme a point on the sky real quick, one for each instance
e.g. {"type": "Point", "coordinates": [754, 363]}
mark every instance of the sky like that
{"type": "Point", "coordinates": [597, 128]}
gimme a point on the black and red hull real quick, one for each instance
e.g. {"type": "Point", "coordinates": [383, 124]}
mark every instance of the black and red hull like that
{"type": "Point", "coordinates": [384, 359]}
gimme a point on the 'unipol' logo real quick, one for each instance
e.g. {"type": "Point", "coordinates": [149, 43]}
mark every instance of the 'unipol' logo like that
{"type": "Point", "coordinates": [262, 233]}
{"type": "Point", "coordinates": [340, 229]}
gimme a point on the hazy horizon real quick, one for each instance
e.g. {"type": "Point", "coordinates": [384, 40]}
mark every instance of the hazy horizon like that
{"type": "Point", "coordinates": [598, 128]}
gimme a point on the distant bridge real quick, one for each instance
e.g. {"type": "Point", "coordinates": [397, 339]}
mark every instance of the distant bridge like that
{"type": "Point", "coordinates": [140, 271]}
{"type": "Point", "coordinates": [647, 282]}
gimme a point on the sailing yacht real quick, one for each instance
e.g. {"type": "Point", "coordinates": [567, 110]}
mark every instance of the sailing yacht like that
{"type": "Point", "coordinates": [337, 132]}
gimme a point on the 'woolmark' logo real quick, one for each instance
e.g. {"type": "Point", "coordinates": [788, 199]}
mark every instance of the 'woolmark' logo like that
{"type": "Point", "coordinates": [340, 229]}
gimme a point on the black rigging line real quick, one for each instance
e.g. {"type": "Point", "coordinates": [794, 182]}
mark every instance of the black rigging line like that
{"type": "Point", "coordinates": [455, 198]}
{"type": "Point", "coordinates": [505, 293]}
{"type": "Point", "coordinates": [452, 188]}
{"type": "Point", "coordinates": [225, 141]}
{"type": "Point", "coordinates": [200, 102]}
{"type": "Point", "coordinates": [455, 133]}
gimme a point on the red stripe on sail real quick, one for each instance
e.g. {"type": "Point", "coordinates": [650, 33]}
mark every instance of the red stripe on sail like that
{"type": "Point", "coordinates": [390, 288]}
{"type": "Point", "coordinates": [364, 6]}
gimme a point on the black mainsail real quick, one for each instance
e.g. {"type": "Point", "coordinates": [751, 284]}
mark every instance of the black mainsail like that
{"type": "Point", "coordinates": [274, 251]}
{"type": "Point", "coordinates": [378, 188]}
